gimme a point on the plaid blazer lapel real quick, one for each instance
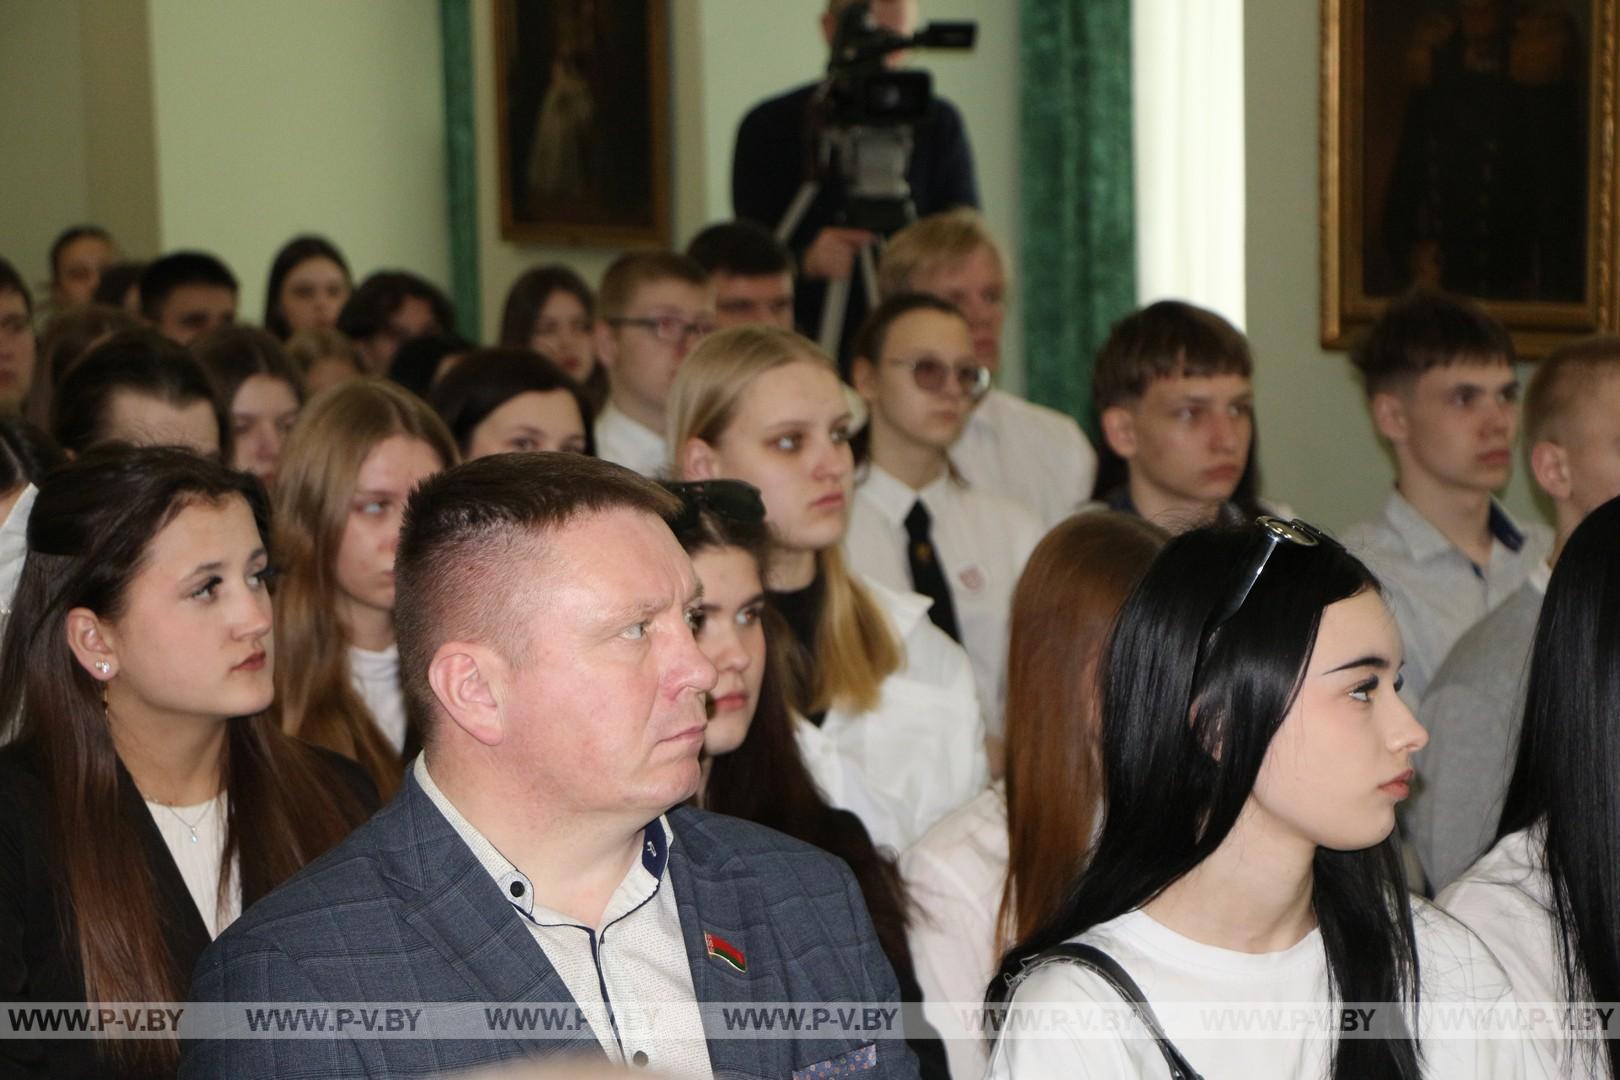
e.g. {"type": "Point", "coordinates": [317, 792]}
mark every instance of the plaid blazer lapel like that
{"type": "Point", "coordinates": [451, 901]}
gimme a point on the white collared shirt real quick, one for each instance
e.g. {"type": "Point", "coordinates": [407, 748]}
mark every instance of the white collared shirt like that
{"type": "Point", "coordinates": [637, 956]}
{"type": "Point", "coordinates": [920, 753]}
{"type": "Point", "coordinates": [1028, 453]}
{"type": "Point", "coordinates": [982, 540]}
{"type": "Point", "coordinates": [630, 443]}
{"type": "Point", "coordinates": [1434, 589]}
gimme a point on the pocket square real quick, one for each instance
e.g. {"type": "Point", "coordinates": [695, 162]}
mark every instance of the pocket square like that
{"type": "Point", "coordinates": [855, 1061]}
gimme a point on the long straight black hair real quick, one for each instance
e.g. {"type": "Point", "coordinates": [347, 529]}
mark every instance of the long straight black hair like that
{"type": "Point", "coordinates": [1569, 758]}
{"type": "Point", "coordinates": [1188, 713]}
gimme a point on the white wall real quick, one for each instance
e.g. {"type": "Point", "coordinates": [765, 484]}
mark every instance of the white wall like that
{"type": "Point", "coordinates": [301, 115]}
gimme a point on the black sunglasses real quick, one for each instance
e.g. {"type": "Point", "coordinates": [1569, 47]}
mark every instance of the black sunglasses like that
{"type": "Point", "coordinates": [1273, 531]}
{"type": "Point", "coordinates": [732, 501]}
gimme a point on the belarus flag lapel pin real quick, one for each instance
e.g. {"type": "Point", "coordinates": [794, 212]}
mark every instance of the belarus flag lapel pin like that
{"type": "Point", "coordinates": [725, 951]}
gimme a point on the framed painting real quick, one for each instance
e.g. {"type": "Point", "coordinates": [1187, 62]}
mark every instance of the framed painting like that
{"type": "Point", "coordinates": [582, 103]}
{"type": "Point", "coordinates": [1470, 145]}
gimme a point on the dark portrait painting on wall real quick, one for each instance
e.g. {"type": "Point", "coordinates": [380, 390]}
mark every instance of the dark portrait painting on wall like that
{"type": "Point", "coordinates": [582, 95]}
{"type": "Point", "coordinates": [1460, 153]}
{"type": "Point", "coordinates": [1476, 147]}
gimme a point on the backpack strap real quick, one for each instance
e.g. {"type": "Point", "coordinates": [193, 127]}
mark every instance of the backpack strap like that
{"type": "Point", "coordinates": [1095, 960]}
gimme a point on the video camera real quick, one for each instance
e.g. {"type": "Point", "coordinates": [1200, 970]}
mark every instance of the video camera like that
{"type": "Point", "coordinates": [868, 113]}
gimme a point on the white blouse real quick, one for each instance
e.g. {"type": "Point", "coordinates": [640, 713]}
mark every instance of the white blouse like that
{"type": "Point", "coordinates": [920, 753]}
{"type": "Point", "coordinates": [195, 836]}
{"type": "Point", "coordinates": [375, 677]}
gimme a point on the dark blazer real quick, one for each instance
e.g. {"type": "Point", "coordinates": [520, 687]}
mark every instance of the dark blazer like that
{"type": "Point", "coordinates": [39, 950]}
{"type": "Point", "coordinates": [403, 911]}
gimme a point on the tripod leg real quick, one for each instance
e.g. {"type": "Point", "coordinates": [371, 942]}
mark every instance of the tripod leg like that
{"type": "Point", "coordinates": [832, 315]}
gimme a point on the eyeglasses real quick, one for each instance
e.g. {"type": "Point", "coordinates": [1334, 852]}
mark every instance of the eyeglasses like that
{"type": "Point", "coordinates": [1274, 531]}
{"type": "Point", "coordinates": [929, 374]}
{"type": "Point", "coordinates": [670, 329]}
{"type": "Point", "coordinates": [732, 501]}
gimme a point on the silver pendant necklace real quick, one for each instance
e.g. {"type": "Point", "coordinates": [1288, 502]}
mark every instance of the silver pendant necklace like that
{"type": "Point", "coordinates": [191, 827]}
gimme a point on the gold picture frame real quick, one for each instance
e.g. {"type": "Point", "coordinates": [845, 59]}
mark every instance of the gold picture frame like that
{"type": "Point", "coordinates": [582, 109]}
{"type": "Point", "coordinates": [1471, 145]}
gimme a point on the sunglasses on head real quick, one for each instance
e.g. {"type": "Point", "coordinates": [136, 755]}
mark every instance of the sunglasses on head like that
{"type": "Point", "coordinates": [930, 374]}
{"type": "Point", "coordinates": [1273, 532]}
{"type": "Point", "coordinates": [732, 501]}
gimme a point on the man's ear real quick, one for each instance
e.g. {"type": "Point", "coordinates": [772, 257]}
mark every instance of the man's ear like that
{"type": "Point", "coordinates": [698, 461]}
{"type": "Point", "coordinates": [607, 344]}
{"type": "Point", "coordinates": [1389, 416]}
{"type": "Point", "coordinates": [465, 679]}
{"type": "Point", "coordinates": [92, 643]}
{"type": "Point", "coordinates": [1549, 464]}
{"type": "Point", "coordinates": [1119, 429]}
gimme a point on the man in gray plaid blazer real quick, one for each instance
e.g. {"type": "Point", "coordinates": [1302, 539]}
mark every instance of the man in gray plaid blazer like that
{"type": "Point", "coordinates": [531, 863]}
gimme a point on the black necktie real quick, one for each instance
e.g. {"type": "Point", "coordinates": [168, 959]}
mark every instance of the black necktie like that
{"type": "Point", "coordinates": [926, 575]}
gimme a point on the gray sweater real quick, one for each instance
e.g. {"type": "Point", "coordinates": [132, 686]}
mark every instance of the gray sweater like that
{"type": "Point", "coordinates": [1472, 710]}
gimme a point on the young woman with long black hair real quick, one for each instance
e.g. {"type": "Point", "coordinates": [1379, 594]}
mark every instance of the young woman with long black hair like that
{"type": "Point", "coordinates": [751, 766]}
{"type": "Point", "coordinates": [149, 797]}
{"type": "Point", "coordinates": [1254, 749]}
{"type": "Point", "coordinates": [1545, 898]}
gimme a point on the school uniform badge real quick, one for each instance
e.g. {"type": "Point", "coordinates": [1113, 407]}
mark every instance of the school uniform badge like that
{"type": "Point", "coordinates": [724, 951]}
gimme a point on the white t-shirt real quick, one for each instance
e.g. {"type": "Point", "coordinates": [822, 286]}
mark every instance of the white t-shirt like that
{"type": "Point", "coordinates": [198, 855]}
{"type": "Point", "coordinates": [1506, 898]}
{"type": "Point", "coordinates": [1183, 980]}
{"type": "Point", "coordinates": [955, 876]}
{"type": "Point", "coordinates": [375, 677]}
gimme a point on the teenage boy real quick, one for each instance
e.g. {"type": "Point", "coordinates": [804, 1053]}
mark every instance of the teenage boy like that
{"type": "Point", "coordinates": [1473, 707]}
{"type": "Point", "coordinates": [187, 293]}
{"type": "Point", "coordinates": [652, 308]}
{"type": "Point", "coordinates": [1171, 388]}
{"type": "Point", "coordinates": [1438, 374]}
{"type": "Point", "coordinates": [751, 271]}
{"type": "Point", "coordinates": [79, 255]}
{"type": "Point", "coordinates": [1029, 453]}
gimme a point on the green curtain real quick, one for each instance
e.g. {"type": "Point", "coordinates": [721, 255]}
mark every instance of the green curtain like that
{"type": "Point", "coordinates": [1079, 236]}
{"type": "Point", "coordinates": [461, 181]}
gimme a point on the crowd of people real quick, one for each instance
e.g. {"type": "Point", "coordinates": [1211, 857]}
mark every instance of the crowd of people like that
{"type": "Point", "coordinates": [653, 657]}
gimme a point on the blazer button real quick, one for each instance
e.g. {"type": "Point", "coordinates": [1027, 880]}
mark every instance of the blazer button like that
{"type": "Point", "coordinates": [639, 1058]}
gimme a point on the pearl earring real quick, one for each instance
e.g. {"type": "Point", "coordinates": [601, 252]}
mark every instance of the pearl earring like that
{"type": "Point", "coordinates": [103, 667]}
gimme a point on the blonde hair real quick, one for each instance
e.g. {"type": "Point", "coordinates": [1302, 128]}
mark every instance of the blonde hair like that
{"type": "Point", "coordinates": [314, 485]}
{"type": "Point", "coordinates": [856, 648]}
{"type": "Point", "coordinates": [928, 244]}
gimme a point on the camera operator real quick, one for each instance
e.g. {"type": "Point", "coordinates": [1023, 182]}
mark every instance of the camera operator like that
{"type": "Point", "coordinates": [777, 147]}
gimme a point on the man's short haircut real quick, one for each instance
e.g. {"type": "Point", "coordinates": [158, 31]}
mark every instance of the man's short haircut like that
{"type": "Point", "coordinates": [141, 362]}
{"type": "Point", "coordinates": [474, 533]}
{"type": "Point", "coordinates": [926, 245]}
{"type": "Point", "coordinates": [376, 299]}
{"type": "Point", "coordinates": [11, 281]}
{"type": "Point", "coordinates": [66, 237]}
{"type": "Point", "coordinates": [740, 249]}
{"type": "Point", "coordinates": [1164, 340]}
{"type": "Point", "coordinates": [1423, 331]}
{"type": "Point", "coordinates": [176, 270]}
{"type": "Point", "coordinates": [1562, 381]}
{"type": "Point", "coordinates": [629, 273]}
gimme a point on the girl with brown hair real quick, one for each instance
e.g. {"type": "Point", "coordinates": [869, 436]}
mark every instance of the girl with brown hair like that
{"type": "Point", "coordinates": [893, 730]}
{"type": "Point", "coordinates": [999, 867]}
{"type": "Point", "coordinates": [350, 463]}
{"type": "Point", "coordinates": [148, 798]}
